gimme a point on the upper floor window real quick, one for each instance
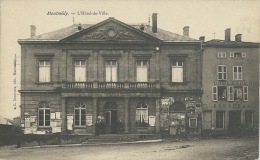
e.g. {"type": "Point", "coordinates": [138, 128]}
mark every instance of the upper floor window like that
{"type": "Point", "coordinates": [80, 114]}
{"type": "Point", "coordinates": [177, 71]}
{"type": "Point", "coordinates": [80, 70]}
{"type": "Point", "coordinates": [44, 114]}
{"type": "Point", "coordinates": [222, 72]}
{"type": "Point", "coordinates": [219, 93]}
{"type": "Point", "coordinates": [238, 93]}
{"type": "Point", "coordinates": [111, 71]}
{"type": "Point", "coordinates": [44, 70]}
{"type": "Point", "coordinates": [141, 70]}
{"type": "Point", "coordinates": [142, 115]}
{"type": "Point", "coordinates": [221, 54]}
{"type": "Point", "coordinates": [237, 72]}
{"type": "Point", "coordinates": [237, 54]}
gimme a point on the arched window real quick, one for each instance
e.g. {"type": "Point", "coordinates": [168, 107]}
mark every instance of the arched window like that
{"type": "Point", "coordinates": [80, 114]}
{"type": "Point", "coordinates": [142, 115]}
{"type": "Point", "coordinates": [44, 114]}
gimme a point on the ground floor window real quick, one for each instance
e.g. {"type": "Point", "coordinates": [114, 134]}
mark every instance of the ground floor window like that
{"type": "Point", "coordinates": [220, 119]}
{"type": "Point", "coordinates": [193, 122]}
{"type": "Point", "coordinates": [142, 115]}
{"type": "Point", "coordinates": [80, 114]}
{"type": "Point", "coordinates": [44, 114]}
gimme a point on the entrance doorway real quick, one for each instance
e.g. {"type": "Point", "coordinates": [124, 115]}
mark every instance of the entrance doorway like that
{"type": "Point", "coordinates": [111, 118]}
{"type": "Point", "coordinates": [234, 122]}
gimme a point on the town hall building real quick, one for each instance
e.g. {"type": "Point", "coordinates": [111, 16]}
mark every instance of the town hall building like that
{"type": "Point", "coordinates": [129, 79]}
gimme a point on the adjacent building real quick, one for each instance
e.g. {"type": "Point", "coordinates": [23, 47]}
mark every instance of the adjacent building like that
{"type": "Point", "coordinates": [230, 85]}
{"type": "Point", "coordinates": [123, 78]}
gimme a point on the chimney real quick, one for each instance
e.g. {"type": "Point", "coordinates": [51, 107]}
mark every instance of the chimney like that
{"type": "Point", "coordinates": [154, 19]}
{"type": "Point", "coordinates": [238, 38]}
{"type": "Point", "coordinates": [186, 31]}
{"type": "Point", "coordinates": [202, 38]}
{"type": "Point", "coordinates": [227, 34]}
{"type": "Point", "coordinates": [33, 30]}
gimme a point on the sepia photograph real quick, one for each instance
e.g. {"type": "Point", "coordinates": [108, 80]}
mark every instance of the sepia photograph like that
{"type": "Point", "coordinates": [147, 79]}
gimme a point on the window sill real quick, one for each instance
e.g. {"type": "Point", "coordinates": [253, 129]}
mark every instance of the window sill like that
{"type": "Point", "coordinates": [177, 83]}
{"type": "Point", "coordinates": [79, 127]}
{"type": "Point", "coordinates": [44, 127]}
{"type": "Point", "coordinates": [40, 83]}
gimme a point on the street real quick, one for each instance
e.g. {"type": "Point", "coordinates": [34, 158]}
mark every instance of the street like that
{"type": "Point", "coordinates": [211, 149]}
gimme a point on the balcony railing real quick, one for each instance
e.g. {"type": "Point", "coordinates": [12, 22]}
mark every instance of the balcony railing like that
{"type": "Point", "coordinates": [72, 85]}
{"type": "Point", "coordinates": [142, 85]}
{"type": "Point", "coordinates": [111, 85]}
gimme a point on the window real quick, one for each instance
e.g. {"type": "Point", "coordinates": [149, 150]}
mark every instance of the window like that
{"type": "Point", "coordinates": [245, 93]}
{"type": "Point", "coordinates": [231, 54]}
{"type": "Point", "coordinates": [80, 70]}
{"type": "Point", "coordinates": [222, 72]}
{"type": "Point", "coordinates": [237, 72]}
{"type": "Point", "coordinates": [44, 114]}
{"type": "Point", "coordinates": [80, 114]}
{"type": "Point", "coordinates": [141, 70]}
{"type": "Point", "coordinates": [221, 54]}
{"type": "Point", "coordinates": [142, 115]}
{"type": "Point", "coordinates": [220, 119]}
{"type": "Point", "coordinates": [238, 55]}
{"type": "Point", "coordinates": [249, 118]}
{"type": "Point", "coordinates": [219, 93]}
{"type": "Point", "coordinates": [230, 93]}
{"type": "Point", "coordinates": [222, 93]}
{"type": "Point", "coordinates": [214, 93]}
{"type": "Point", "coordinates": [44, 71]}
{"type": "Point", "coordinates": [177, 71]}
{"type": "Point", "coordinates": [111, 71]}
{"type": "Point", "coordinates": [193, 122]}
{"type": "Point", "coordinates": [238, 93]}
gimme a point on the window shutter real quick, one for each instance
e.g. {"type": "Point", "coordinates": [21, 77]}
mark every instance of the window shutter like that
{"type": "Point", "coordinates": [37, 71]}
{"type": "Point", "coordinates": [243, 55]}
{"type": "Point", "coordinates": [231, 54]}
{"type": "Point", "coordinates": [230, 93]}
{"type": "Point", "coordinates": [245, 93]}
{"type": "Point", "coordinates": [219, 54]}
{"type": "Point", "coordinates": [214, 93]}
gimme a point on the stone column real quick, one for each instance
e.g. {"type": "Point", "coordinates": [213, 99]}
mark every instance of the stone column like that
{"type": "Point", "coordinates": [157, 116]}
{"type": "Point", "coordinates": [126, 115]}
{"type": "Point", "coordinates": [94, 115]}
{"type": "Point", "coordinates": [63, 116]}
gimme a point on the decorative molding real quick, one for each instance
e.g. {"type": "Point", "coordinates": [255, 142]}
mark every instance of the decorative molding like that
{"type": "Point", "coordinates": [110, 56]}
{"type": "Point", "coordinates": [181, 56]}
{"type": "Point", "coordinates": [142, 56]}
{"type": "Point", "coordinates": [80, 56]}
{"type": "Point", "coordinates": [44, 55]}
{"type": "Point", "coordinates": [119, 34]}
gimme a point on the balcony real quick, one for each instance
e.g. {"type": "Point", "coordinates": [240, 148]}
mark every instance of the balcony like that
{"type": "Point", "coordinates": [111, 85]}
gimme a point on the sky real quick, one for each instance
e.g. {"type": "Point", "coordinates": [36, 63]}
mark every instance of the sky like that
{"type": "Point", "coordinates": [207, 18]}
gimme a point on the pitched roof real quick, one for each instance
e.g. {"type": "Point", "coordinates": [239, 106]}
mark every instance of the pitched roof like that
{"type": "Point", "coordinates": [223, 43]}
{"type": "Point", "coordinates": [70, 30]}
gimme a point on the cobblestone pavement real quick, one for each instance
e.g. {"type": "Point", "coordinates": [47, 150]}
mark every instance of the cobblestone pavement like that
{"type": "Point", "coordinates": [211, 149]}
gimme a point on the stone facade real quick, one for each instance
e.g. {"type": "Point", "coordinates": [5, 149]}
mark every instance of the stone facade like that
{"type": "Point", "coordinates": [236, 110]}
{"type": "Point", "coordinates": [56, 105]}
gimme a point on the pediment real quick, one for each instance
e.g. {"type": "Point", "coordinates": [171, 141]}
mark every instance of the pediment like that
{"type": "Point", "coordinates": [111, 30]}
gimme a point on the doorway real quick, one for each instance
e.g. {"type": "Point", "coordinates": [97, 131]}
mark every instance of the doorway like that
{"type": "Point", "coordinates": [111, 118]}
{"type": "Point", "coordinates": [234, 122]}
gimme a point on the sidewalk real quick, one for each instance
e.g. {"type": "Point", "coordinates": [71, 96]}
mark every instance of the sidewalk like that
{"type": "Point", "coordinates": [94, 144]}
